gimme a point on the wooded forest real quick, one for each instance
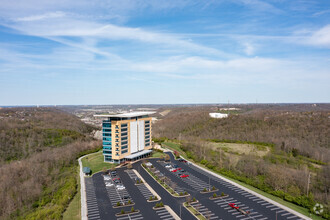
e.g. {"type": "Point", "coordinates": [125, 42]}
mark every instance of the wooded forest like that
{"type": "Point", "coordinates": [297, 139]}
{"type": "Point", "coordinates": [39, 148]}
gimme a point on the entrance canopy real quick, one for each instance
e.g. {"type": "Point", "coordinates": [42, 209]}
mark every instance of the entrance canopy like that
{"type": "Point", "coordinates": [138, 154]}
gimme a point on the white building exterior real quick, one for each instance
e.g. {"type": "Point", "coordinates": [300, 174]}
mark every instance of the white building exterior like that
{"type": "Point", "coordinates": [218, 115]}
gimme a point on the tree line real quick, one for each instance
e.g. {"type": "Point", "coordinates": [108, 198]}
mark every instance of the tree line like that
{"type": "Point", "coordinates": [298, 143]}
{"type": "Point", "coordinates": [40, 180]}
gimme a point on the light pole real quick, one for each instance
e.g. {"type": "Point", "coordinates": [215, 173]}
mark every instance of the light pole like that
{"type": "Point", "coordinates": [276, 215]}
{"type": "Point", "coordinates": [180, 210]}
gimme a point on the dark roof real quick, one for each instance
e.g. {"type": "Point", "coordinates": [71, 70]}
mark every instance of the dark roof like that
{"type": "Point", "coordinates": [86, 170]}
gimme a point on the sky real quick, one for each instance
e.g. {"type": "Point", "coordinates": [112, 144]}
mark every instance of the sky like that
{"type": "Point", "coordinates": [68, 52]}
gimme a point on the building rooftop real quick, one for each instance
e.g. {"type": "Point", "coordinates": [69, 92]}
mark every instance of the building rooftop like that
{"type": "Point", "coordinates": [126, 115]}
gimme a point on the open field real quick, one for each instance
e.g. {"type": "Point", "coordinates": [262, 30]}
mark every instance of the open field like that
{"type": "Point", "coordinates": [241, 149]}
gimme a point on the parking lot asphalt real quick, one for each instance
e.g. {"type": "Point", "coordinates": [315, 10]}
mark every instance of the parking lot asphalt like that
{"type": "Point", "coordinates": [105, 198]}
{"type": "Point", "coordinates": [199, 179]}
{"type": "Point", "coordinates": [101, 199]}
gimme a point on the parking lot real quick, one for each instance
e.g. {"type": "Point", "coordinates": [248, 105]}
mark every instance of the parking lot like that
{"type": "Point", "coordinates": [101, 199]}
{"type": "Point", "coordinates": [258, 207]}
{"type": "Point", "coordinates": [92, 207]}
{"type": "Point", "coordinates": [105, 191]}
{"type": "Point", "coordinates": [142, 188]}
{"type": "Point", "coordinates": [116, 190]}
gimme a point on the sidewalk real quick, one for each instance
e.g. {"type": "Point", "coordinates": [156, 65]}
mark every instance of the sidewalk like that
{"type": "Point", "coordinates": [83, 189]}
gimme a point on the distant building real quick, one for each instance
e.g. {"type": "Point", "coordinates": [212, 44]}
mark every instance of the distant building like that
{"type": "Point", "coordinates": [126, 136]}
{"type": "Point", "coordinates": [229, 109]}
{"type": "Point", "coordinates": [218, 115]}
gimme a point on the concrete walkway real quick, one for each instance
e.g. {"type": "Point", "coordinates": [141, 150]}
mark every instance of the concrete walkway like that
{"type": "Point", "coordinates": [83, 189]}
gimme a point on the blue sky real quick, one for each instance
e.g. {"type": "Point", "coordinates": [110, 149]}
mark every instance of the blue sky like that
{"type": "Point", "coordinates": [158, 52]}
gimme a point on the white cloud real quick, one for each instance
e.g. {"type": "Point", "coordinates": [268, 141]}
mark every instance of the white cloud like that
{"type": "Point", "coordinates": [320, 37]}
{"type": "Point", "coordinates": [249, 49]}
{"type": "Point", "coordinates": [260, 5]}
{"type": "Point", "coordinates": [52, 27]}
{"type": "Point", "coordinates": [42, 16]}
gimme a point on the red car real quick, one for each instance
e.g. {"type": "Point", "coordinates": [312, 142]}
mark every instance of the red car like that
{"type": "Point", "coordinates": [184, 175]}
{"type": "Point", "coordinates": [115, 179]}
{"type": "Point", "coordinates": [179, 168]}
{"type": "Point", "coordinates": [233, 205]}
{"type": "Point", "coordinates": [174, 170]}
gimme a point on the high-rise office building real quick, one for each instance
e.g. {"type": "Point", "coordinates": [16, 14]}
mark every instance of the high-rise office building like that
{"type": "Point", "coordinates": [126, 136]}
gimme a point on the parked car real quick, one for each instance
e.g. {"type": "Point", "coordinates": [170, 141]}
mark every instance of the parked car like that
{"type": "Point", "coordinates": [120, 187]}
{"type": "Point", "coordinates": [108, 184]}
{"type": "Point", "coordinates": [175, 166]}
{"type": "Point", "coordinates": [173, 170]}
{"type": "Point", "coordinates": [184, 175]}
{"type": "Point", "coordinates": [126, 197]}
{"type": "Point", "coordinates": [106, 177]}
{"type": "Point", "coordinates": [182, 160]}
{"type": "Point", "coordinates": [233, 205]}
{"type": "Point", "coordinates": [179, 168]}
{"type": "Point", "coordinates": [182, 170]}
{"type": "Point", "coordinates": [168, 166]}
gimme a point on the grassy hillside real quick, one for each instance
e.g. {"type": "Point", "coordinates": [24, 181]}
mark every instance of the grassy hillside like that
{"type": "Point", "coordinates": [272, 150]}
{"type": "Point", "coordinates": [39, 148]}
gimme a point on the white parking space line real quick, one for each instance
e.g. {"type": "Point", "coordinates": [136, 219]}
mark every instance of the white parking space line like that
{"type": "Point", "coordinates": [292, 217]}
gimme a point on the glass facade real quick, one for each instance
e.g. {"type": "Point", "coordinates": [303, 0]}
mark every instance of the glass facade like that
{"type": "Point", "coordinates": [107, 148]}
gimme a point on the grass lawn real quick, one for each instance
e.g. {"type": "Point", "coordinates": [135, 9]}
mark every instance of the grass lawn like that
{"type": "Point", "coordinates": [174, 147]}
{"type": "Point", "coordinates": [95, 162]}
{"type": "Point", "coordinates": [156, 154]}
{"type": "Point", "coordinates": [74, 208]}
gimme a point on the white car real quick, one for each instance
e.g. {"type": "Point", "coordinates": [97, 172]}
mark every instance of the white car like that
{"type": "Point", "coordinates": [108, 184]}
{"type": "Point", "coordinates": [168, 166]}
{"type": "Point", "coordinates": [106, 177]}
{"type": "Point", "coordinates": [120, 187]}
